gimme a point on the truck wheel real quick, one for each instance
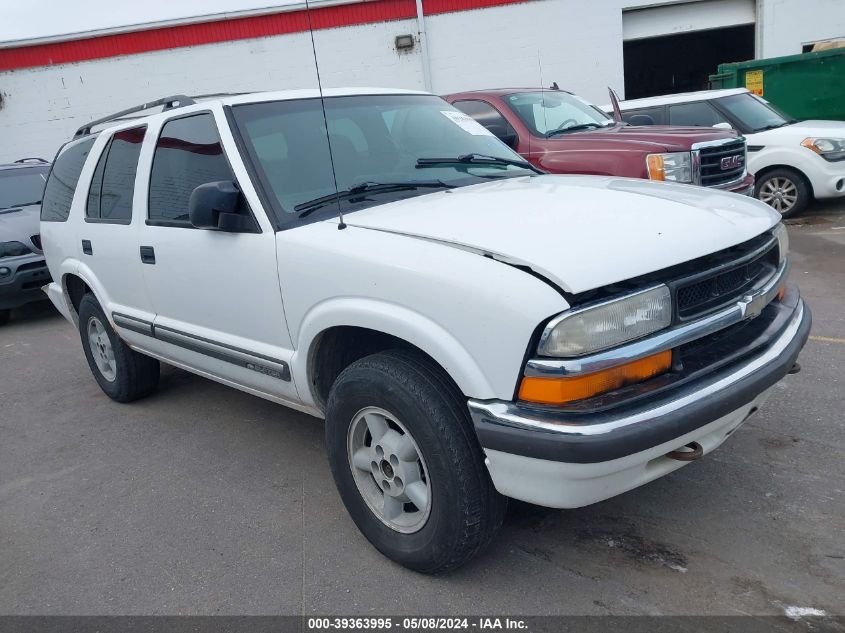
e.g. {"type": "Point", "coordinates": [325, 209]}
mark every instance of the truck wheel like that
{"type": "Point", "coordinates": [122, 373]}
{"type": "Point", "coordinates": [4, 316]}
{"type": "Point", "coordinates": [785, 190]}
{"type": "Point", "coordinates": [407, 464]}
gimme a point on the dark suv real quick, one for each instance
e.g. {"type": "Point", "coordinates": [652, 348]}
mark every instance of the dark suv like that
{"type": "Point", "coordinates": [22, 268]}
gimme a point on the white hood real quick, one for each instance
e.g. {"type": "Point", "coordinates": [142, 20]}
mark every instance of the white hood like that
{"type": "Point", "coordinates": [581, 232]}
{"type": "Point", "coordinates": [794, 133]}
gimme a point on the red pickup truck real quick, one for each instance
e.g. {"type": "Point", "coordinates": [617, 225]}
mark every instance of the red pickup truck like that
{"type": "Point", "coordinates": [562, 133]}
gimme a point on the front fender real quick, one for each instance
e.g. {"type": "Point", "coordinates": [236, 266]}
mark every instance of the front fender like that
{"type": "Point", "coordinates": [394, 320]}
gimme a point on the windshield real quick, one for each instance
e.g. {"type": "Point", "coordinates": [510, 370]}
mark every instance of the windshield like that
{"type": "Point", "coordinates": [21, 187]}
{"type": "Point", "coordinates": [754, 113]}
{"type": "Point", "coordinates": [552, 113]}
{"type": "Point", "coordinates": [375, 140]}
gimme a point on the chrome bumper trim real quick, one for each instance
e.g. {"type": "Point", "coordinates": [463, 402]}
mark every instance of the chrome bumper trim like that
{"type": "Point", "coordinates": [749, 306]}
{"type": "Point", "coordinates": [510, 414]}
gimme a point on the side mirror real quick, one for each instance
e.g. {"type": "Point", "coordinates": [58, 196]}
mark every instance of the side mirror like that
{"type": "Point", "coordinates": [218, 206]}
{"type": "Point", "coordinates": [724, 125]}
{"type": "Point", "coordinates": [640, 119]}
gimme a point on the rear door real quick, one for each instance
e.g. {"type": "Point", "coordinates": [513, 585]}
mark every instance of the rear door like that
{"type": "Point", "coordinates": [108, 235]}
{"type": "Point", "coordinates": [216, 294]}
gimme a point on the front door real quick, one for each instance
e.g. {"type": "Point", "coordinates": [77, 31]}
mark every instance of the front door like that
{"type": "Point", "coordinates": [216, 294]}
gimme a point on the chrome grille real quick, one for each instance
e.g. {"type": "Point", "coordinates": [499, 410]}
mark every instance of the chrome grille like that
{"type": "Point", "coordinates": [721, 164]}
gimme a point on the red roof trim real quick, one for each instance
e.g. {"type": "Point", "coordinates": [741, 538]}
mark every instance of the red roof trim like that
{"type": "Point", "coordinates": [228, 30]}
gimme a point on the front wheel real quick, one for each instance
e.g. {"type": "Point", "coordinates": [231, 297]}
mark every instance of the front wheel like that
{"type": "Point", "coordinates": [785, 190]}
{"type": "Point", "coordinates": [407, 464]}
{"type": "Point", "coordinates": [122, 373]}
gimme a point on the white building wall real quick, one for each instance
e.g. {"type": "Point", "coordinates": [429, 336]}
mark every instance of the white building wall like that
{"type": "Point", "coordinates": [43, 107]}
{"type": "Point", "coordinates": [576, 43]}
{"type": "Point", "coordinates": [785, 25]}
{"type": "Point", "coordinates": [533, 44]}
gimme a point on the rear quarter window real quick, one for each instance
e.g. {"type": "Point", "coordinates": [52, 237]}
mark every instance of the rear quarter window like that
{"type": "Point", "coordinates": [64, 176]}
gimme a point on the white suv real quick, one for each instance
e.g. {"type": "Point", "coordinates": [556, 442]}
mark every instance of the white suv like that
{"type": "Point", "coordinates": [470, 329]}
{"type": "Point", "coordinates": [793, 161]}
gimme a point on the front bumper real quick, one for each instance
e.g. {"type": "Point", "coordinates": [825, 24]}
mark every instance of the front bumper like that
{"type": "Point", "coordinates": [565, 460]}
{"type": "Point", "coordinates": [827, 178]}
{"type": "Point", "coordinates": [22, 284]}
{"type": "Point", "coordinates": [744, 187]}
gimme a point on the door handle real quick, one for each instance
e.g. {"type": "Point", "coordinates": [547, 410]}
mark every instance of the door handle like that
{"type": "Point", "coordinates": [86, 247]}
{"type": "Point", "coordinates": [148, 255]}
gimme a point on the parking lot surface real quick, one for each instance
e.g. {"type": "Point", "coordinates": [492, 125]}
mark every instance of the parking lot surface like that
{"type": "Point", "coordinates": [205, 500]}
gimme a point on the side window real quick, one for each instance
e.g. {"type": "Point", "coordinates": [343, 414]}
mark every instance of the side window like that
{"type": "Point", "coordinates": [644, 116]}
{"type": "Point", "coordinates": [697, 113]}
{"type": "Point", "coordinates": [58, 192]}
{"type": "Point", "coordinates": [188, 154]}
{"type": "Point", "coordinates": [113, 183]}
{"type": "Point", "coordinates": [489, 117]}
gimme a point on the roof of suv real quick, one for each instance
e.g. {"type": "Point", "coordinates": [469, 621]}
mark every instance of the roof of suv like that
{"type": "Point", "coordinates": [175, 102]}
{"type": "Point", "coordinates": [684, 97]}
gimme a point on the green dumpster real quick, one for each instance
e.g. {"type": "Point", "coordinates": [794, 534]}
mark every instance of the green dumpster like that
{"type": "Point", "coordinates": [807, 86]}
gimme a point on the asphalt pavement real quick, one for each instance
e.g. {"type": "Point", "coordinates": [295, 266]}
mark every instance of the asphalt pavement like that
{"type": "Point", "coordinates": [205, 500]}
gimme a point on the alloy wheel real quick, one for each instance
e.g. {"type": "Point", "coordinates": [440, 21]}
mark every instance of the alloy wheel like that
{"type": "Point", "coordinates": [389, 470]}
{"type": "Point", "coordinates": [101, 349]}
{"type": "Point", "coordinates": [779, 193]}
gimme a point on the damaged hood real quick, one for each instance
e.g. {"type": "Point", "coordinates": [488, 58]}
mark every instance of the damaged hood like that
{"type": "Point", "coordinates": [580, 232]}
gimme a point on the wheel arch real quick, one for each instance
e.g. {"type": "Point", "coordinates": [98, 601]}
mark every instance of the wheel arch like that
{"type": "Point", "coordinates": [361, 327]}
{"type": "Point", "coordinates": [763, 171]}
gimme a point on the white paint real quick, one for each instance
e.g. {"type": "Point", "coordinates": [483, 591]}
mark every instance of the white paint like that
{"type": "Point", "coordinates": [796, 613]}
{"type": "Point", "coordinates": [577, 44]}
{"type": "Point", "coordinates": [561, 219]}
{"type": "Point", "coordinates": [566, 485]}
{"type": "Point", "coordinates": [684, 18]}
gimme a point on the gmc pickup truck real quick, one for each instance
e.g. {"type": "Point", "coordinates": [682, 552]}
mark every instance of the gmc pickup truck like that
{"type": "Point", "coordinates": [563, 133]}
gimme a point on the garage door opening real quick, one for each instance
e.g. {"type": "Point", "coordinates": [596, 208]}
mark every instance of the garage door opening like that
{"type": "Point", "coordinates": [682, 63]}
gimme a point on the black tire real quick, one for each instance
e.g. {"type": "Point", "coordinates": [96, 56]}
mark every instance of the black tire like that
{"type": "Point", "coordinates": [465, 509]}
{"type": "Point", "coordinates": [4, 316]}
{"type": "Point", "coordinates": [788, 181]}
{"type": "Point", "coordinates": [135, 375]}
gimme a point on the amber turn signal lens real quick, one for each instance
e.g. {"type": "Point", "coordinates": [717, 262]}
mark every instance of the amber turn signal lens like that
{"type": "Point", "coordinates": [563, 390]}
{"type": "Point", "coordinates": [781, 293]}
{"type": "Point", "coordinates": [656, 167]}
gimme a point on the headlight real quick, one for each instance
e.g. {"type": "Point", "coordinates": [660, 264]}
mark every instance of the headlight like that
{"type": "Point", "coordinates": [608, 324]}
{"type": "Point", "coordinates": [674, 167]}
{"type": "Point", "coordinates": [13, 249]}
{"type": "Point", "coordinates": [783, 242]}
{"type": "Point", "coordinates": [831, 149]}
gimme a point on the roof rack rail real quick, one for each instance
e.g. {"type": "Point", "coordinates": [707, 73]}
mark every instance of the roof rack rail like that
{"type": "Point", "coordinates": [175, 101]}
{"type": "Point", "coordinates": [32, 159]}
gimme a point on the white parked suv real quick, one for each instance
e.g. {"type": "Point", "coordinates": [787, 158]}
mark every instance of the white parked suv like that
{"type": "Point", "coordinates": [470, 329]}
{"type": "Point", "coordinates": [793, 161]}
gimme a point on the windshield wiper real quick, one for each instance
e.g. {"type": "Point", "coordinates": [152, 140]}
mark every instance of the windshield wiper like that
{"type": "Point", "coordinates": [573, 128]}
{"type": "Point", "coordinates": [476, 159]}
{"type": "Point", "coordinates": [771, 126]}
{"type": "Point", "coordinates": [305, 208]}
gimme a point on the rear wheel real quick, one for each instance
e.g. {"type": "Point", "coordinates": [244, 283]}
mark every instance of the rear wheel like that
{"type": "Point", "coordinates": [407, 464]}
{"type": "Point", "coordinates": [785, 190]}
{"type": "Point", "coordinates": [4, 316]}
{"type": "Point", "coordinates": [122, 373]}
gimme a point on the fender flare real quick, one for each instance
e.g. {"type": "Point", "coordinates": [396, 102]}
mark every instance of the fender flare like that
{"type": "Point", "coordinates": [395, 320]}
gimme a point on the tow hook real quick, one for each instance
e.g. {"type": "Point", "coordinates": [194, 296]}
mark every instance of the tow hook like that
{"type": "Point", "coordinates": [794, 369]}
{"type": "Point", "coordinates": [695, 451]}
